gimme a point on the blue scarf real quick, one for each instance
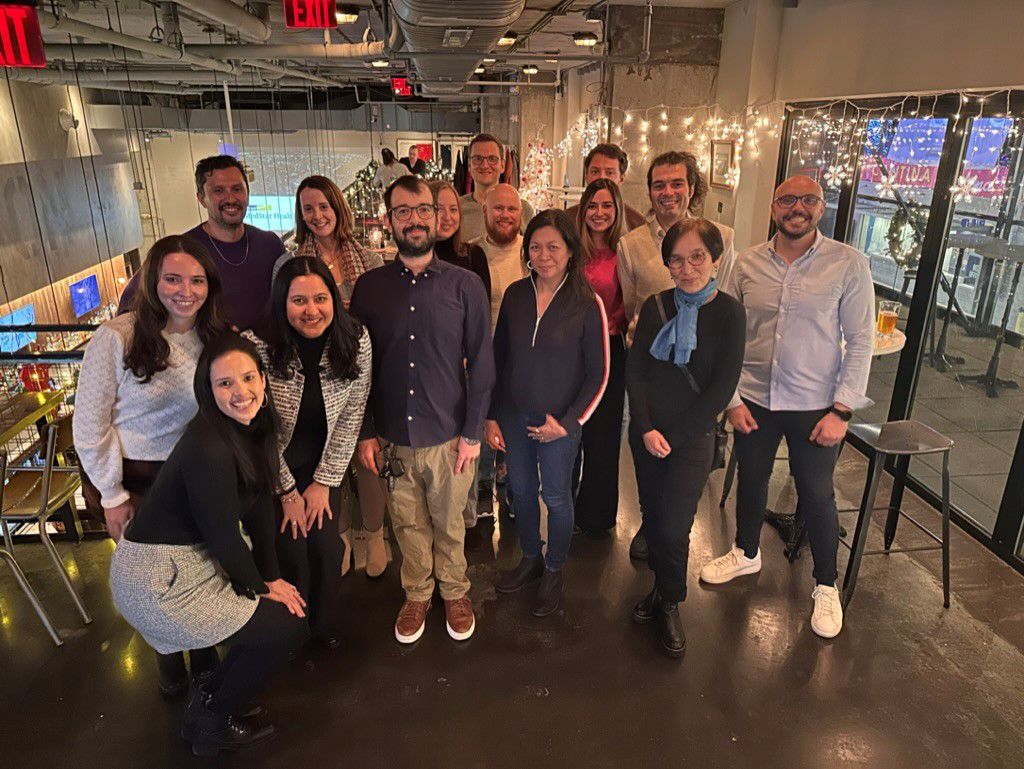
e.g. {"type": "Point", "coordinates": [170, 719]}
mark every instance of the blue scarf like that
{"type": "Point", "coordinates": [678, 337]}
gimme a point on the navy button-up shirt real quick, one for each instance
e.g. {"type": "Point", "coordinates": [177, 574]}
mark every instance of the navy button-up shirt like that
{"type": "Point", "coordinates": [433, 362]}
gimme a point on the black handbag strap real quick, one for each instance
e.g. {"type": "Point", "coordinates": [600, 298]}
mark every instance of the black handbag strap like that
{"type": "Point", "coordinates": [664, 319]}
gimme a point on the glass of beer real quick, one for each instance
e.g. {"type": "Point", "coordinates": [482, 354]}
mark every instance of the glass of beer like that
{"type": "Point", "coordinates": [888, 314]}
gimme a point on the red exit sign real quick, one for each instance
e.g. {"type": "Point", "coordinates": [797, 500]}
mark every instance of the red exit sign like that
{"type": "Point", "coordinates": [310, 14]}
{"type": "Point", "coordinates": [21, 43]}
{"type": "Point", "coordinates": [400, 86]}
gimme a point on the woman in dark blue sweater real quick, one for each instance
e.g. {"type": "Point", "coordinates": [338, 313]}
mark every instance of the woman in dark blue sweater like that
{"type": "Point", "coordinates": [552, 359]}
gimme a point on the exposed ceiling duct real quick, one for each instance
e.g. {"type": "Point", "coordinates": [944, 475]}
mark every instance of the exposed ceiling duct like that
{"type": "Point", "coordinates": [466, 26]}
{"type": "Point", "coordinates": [234, 18]}
{"type": "Point", "coordinates": [290, 51]}
{"type": "Point", "coordinates": [48, 77]}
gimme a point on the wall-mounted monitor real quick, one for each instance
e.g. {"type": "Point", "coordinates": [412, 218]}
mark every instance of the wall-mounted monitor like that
{"type": "Point", "coordinates": [12, 341]}
{"type": "Point", "coordinates": [85, 295]}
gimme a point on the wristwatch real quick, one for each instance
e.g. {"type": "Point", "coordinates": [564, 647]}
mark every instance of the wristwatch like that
{"type": "Point", "coordinates": [846, 416]}
{"type": "Point", "coordinates": [471, 441]}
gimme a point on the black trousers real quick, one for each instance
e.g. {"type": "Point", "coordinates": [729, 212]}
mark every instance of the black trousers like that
{"type": "Point", "coordinates": [597, 492]}
{"type": "Point", "coordinates": [671, 488]}
{"type": "Point", "coordinates": [313, 564]}
{"type": "Point", "coordinates": [256, 651]}
{"type": "Point", "coordinates": [812, 467]}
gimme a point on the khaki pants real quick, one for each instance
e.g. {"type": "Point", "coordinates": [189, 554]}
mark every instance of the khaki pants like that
{"type": "Point", "coordinates": [426, 514]}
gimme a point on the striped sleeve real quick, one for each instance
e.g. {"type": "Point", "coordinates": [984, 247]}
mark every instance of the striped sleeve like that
{"type": "Point", "coordinates": [597, 366]}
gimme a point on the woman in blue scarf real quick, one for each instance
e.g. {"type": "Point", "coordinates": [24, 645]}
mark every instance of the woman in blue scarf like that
{"type": "Point", "coordinates": [681, 372]}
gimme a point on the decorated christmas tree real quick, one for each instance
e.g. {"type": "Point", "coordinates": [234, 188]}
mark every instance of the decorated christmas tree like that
{"type": "Point", "coordinates": [536, 176]}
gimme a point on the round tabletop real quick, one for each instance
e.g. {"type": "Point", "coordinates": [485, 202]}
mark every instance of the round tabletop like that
{"type": "Point", "coordinates": [886, 344]}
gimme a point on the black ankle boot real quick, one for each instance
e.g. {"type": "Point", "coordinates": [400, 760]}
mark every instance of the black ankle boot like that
{"type": "Point", "coordinates": [670, 628]}
{"type": "Point", "coordinates": [549, 594]}
{"type": "Point", "coordinates": [645, 610]}
{"type": "Point", "coordinates": [526, 572]}
{"type": "Point", "coordinates": [211, 732]}
{"type": "Point", "coordinates": [638, 547]}
{"type": "Point", "coordinates": [173, 676]}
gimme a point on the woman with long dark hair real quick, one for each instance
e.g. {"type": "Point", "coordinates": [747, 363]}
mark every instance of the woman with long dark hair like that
{"type": "Point", "coordinates": [389, 169]}
{"type": "Point", "coordinates": [450, 246]}
{"type": "Point", "coordinates": [324, 228]}
{"type": "Point", "coordinates": [318, 358]}
{"type": "Point", "coordinates": [183, 576]}
{"type": "Point", "coordinates": [135, 396]}
{"type": "Point", "coordinates": [601, 222]}
{"type": "Point", "coordinates": [681, 372]}
{"type": "Point", "coordinates": [551, 356]}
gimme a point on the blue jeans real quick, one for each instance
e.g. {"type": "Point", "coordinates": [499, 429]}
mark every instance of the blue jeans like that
{"type": "Point", "coordinates": [524, 457]}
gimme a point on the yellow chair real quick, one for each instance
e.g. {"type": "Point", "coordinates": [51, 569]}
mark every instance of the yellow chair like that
{"type": "Point", "coordinates": [34, 494]}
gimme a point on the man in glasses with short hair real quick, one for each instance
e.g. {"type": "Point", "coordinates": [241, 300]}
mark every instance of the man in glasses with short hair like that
{"type": "Point", "coordinates": [433, 370]}
{"type": "Point", "coordinates": [486, 165]}
{"type": "Point", "coordinates": [810, 305]}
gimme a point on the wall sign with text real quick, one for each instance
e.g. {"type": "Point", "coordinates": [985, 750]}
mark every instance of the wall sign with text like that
{"type": "Point", "coordinates": [310, 14]}
{"type": "Point", "coordinates": [21, 42]}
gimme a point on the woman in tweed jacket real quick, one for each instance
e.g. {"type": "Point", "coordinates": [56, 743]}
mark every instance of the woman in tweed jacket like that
{"type": "Point", "coordinates": [318, 359]}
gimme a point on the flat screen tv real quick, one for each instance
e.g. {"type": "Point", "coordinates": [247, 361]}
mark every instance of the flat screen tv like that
{"type": "Point", "coordinates": [12, 341]}
{"type": "Point", "coordinates": [85, 295]}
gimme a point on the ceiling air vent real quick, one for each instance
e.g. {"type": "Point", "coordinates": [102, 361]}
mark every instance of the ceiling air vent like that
{"type": "Point", "coordinates": [456, 38]}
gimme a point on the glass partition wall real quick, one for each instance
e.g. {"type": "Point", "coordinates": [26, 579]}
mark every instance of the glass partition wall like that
{"type": "Point", "coordinates": [929, 188]}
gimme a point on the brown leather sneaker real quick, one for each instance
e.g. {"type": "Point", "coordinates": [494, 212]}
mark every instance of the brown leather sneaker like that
{"type": "Point", "coordinates": [461, 622]}
{"type": "Point", "coordinates": [411, 621]}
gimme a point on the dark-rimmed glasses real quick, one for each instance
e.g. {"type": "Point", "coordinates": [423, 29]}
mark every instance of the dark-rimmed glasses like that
{"type": "Point", "coordinates": [788, 201]}
{"type": "Point", "coordinates": [423, 211]}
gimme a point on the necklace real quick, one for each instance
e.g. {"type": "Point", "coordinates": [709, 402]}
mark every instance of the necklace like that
{"type": "Point", "coordinates": [221, 253]}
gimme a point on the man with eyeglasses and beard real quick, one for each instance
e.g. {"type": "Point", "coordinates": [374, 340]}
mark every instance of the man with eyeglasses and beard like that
{"type": "Point", "coordinates": [245, 255]}
{"type": "Point", "coordinates": [433, 370]}
{"type": "Point", "coordinates": [810, 306]}
{"type": "Point", "coordinates": [486, 165]}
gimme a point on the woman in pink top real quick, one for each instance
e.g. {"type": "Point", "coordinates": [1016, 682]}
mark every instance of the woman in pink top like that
{"type": "Point", "coordinates": [601, 223]}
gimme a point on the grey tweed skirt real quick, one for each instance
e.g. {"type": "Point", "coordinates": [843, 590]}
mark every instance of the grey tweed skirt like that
{"type": "Point", "coordinates": [175, 596]}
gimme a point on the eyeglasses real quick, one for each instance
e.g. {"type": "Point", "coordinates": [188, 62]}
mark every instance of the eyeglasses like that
{"type": "Point", "coordinates": [788, 201]}
{"type": "Point", "coordinates": [423, 211]}
{"type": "Point", "coordinates": [695, 260]}
{"type": "Point", "coordinates": [479, 160]}
{"type": "Point", "coordinates": [392, 468]}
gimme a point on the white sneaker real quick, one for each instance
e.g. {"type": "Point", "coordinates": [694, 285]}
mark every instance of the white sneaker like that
{"type": "Point", "coordinates": [729, 566]}
{"type": "Point", "coordinates": [827, 619]}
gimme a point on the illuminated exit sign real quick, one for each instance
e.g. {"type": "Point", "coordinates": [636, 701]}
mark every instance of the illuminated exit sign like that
{"type": "Point", "coordinates": [21, 43]}
{"type": "Point", "coordinates": [400, 86]}
{"type": "Point", "coordinates": [310, 14]}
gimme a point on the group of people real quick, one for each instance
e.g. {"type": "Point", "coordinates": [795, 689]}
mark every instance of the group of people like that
{"type": "Point", "coordinates": [244, 386]}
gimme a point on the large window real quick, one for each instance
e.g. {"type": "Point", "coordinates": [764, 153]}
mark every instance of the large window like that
{"type": "Point", "coordinates": [889, 173]}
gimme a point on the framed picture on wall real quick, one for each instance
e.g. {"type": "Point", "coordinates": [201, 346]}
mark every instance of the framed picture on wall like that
{"type": "Point", "coordinates": [723, 158]}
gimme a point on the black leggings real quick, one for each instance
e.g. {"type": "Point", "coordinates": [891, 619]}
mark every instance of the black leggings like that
{"type": "Point", "coordinates": [256, 652]}
{"type": "Point", "coordinates": [670, 489]}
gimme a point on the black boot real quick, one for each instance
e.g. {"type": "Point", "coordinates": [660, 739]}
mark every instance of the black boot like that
{"type": "Point", "coordinates": [646, 609]}
{"type": "Point", "coordinates": [526, 572]}
{"type": "Point", "coordinates": [211, 732]}
{"type": "Point", "coordinates": [638, 547]}
{"type": "Point", "coordinates": [670, 628]}
{"type": "Point", "coordinates": [549, 594]}
{"type": "Point", "coordinates": [173, 676]}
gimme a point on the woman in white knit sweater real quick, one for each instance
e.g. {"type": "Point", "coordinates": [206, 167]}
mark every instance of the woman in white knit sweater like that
{"type": "Point", "coordinates": [135, 394]}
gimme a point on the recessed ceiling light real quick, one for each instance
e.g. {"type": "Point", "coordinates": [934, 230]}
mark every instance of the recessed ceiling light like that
{"type": "Point", "coordinates": [508, 38]}
{"type": "Point", "coordinates": [347, 14]}
{"type": "Point", "coordinates": [530, 69]}
{"type": "Point", "coordinates": [489, 61]}
{"type": "Point", "coordinates": [479, 70]}
{"type": "Point", "coordinates": [380, 63]}
{"type": "Point", "coordinates": [586, 39]}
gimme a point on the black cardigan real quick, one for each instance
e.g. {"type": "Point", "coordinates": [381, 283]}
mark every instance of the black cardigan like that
{"type": "Point", "coordinates": [660, 394]}
{"type": "Point", "coordinates": [196, 499]}
{"type": "Point", "coordinates": [557, 365]}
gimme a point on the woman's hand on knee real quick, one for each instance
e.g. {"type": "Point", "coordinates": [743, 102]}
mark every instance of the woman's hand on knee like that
{"type": "Point", "coordinates": [286, 593]}
{"type": "Point", "coordinates": [293, 506]}
{"type": "Point", "coordinates": [318, 502]}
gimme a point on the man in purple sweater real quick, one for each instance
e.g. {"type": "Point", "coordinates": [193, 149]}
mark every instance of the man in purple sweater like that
{"type": "Point", "coordinates": [244, 254]}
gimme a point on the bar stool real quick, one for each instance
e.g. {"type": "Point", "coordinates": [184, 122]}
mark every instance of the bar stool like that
{"type": "Point", "coordinates": [902, 439]}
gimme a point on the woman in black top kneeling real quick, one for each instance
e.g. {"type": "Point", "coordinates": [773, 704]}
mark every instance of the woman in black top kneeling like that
{"type": "Point", "coordinates": [317, 357]}
{"type": "Point", "coordinates": [681, 372]}
{"type": "Point", "coordinates": [182, 574]}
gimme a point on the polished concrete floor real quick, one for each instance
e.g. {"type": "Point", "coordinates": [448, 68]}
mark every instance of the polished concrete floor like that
{"type": "Point", "coordinates": [907, 684]}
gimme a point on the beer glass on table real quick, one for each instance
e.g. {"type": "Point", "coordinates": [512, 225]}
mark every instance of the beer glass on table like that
{"type": "Point", "coordinates": [888, 314]}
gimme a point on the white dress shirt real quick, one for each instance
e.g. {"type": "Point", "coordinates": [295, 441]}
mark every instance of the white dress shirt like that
{"type": "Point", "coordinates": [810, 326]}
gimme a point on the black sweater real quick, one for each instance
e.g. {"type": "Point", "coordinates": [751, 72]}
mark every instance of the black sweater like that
{"type": "Point", "coordinates": [557, 365]}
{"type": "Point", "coordinates": [660, 395]}
{"type": "Point", "coordinates": [303, 452]}
{"type": "Point", "coordinates": [196, 499]}
{"type": "Point", "coordinates": [470, 258]}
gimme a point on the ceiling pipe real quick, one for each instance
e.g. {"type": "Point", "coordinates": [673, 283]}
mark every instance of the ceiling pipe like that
{"type": "Point", "coordinates": [234, 17]}
{"type": "Point", "coordinates": [191, 76]}
{"type": "Point", "coordinates": [49, 77]}
{"type": "Point", "coordinates": [104, 35]}
{"type": "Point", "coordinates": [543, 21]}
{"type": "Point", "coordinates": [290, 51]}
